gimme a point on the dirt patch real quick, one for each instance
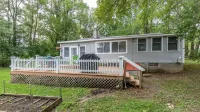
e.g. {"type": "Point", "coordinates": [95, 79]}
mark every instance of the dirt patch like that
{"type": "Point", "coordinates": [96, 93]}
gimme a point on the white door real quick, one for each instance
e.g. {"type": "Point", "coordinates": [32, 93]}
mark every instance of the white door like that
{"type": "Point", "coordinates": [74, 51]}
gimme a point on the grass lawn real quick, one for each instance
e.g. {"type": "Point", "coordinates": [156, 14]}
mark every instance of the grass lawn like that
{"type": "Point", "coordinates": [70, 95]}
{"type": "Point", "coordinates": [181, 91]}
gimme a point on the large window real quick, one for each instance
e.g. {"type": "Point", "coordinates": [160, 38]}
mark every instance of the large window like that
{"type": "Point", "coordinates": [111, 47]}
{"type": "Point", "coordinates": [172, 43]}
{"type": "Point", "coordinates": [82, 50]}
{"type": "Point", "coordinates": [66, 51]}
{"type": "Point", "coordinates": [103, 47]}
{"type": "Point", "coordinates": [156, 44]}
{"type": "Point", "coordinates": [142, 44]}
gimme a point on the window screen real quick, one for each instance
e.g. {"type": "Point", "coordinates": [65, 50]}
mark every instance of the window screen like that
{"type": "Point", "coordinates": [172, 43]}
{"type": "Point", "coordinates": [66, 51]}
{"type": "Point", "coordinates": [156, 44]}
{"type": "Point", "coordinates": [142, 45]}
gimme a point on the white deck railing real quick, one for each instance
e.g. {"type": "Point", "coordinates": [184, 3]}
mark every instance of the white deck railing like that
{"type": "Point", "coordinates": [69, 66]}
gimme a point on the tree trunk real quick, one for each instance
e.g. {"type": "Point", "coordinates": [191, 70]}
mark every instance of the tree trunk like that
{"type": "Point", "coordinates": [196, 48]}
{"type": "Point", "coordinates": [186, 49]}
{"type": "Point", "coordinates": [191, 50]}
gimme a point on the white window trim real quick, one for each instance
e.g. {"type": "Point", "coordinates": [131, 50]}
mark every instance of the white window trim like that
{"type": "Point", "coordinates": [69, 51]}
{"type": "Point", "coordinates": [161, 44]}
{"type": "Point", "coordinates": [146, 45]}
{"type": "Point", "coordinates": [80, 49]}
{"type": "Point", "coordinates": [111, 47]}
{"type": "Point", "coordinates": [178, 44]}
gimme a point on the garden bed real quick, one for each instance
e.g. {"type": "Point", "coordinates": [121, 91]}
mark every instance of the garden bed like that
{"type": "Point", "coordinates": [27, 103]}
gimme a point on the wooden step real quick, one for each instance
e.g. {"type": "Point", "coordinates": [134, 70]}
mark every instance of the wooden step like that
{"type": "Point", "coordinates": [131, 79]}
{"type": "Point", "coordinates": [127, 75]}
{"type": "Point", "coordinates": [137, 82]}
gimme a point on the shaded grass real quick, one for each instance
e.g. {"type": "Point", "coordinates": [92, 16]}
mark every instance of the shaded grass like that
{"type": "Point", "coordinates": [70, 95]}
{"type": "Point", "coordinates": [183, 89]}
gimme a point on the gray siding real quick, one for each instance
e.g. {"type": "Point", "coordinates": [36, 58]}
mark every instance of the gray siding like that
{"type": "Point", "coordinates": [132, 53]}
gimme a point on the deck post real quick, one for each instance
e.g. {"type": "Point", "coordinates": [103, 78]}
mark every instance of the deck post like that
{"type": "Point", "coordinates": [57, 65]}
{"type": "Point", "coordinates": [121, 65]}
{"type": "Point", "coordinates": [12, 62]}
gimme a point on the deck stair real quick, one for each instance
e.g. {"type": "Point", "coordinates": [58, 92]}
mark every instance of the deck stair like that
{"type": "Point", "coordinates": [130, 79]}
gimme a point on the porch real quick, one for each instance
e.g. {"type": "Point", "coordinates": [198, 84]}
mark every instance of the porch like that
{"type": "Point", "coordinates": [84, 73]}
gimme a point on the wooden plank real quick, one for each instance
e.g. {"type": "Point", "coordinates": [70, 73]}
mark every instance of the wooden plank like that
{"type": "Point", "coordinates": [51, 106]}
{"type": "Point", "coordinates": [20, 95]}
{"type": "Point", "coordinates": [43, 103]}
{"type": "Point", "coordinates": [66, 74]}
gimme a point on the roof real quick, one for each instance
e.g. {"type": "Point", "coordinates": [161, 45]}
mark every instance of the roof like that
{"type": "Point", "coordinates": [118, 37]}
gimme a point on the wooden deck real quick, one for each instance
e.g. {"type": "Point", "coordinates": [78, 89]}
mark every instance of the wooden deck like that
{"type": "Point", "coordinates": [81, 73]}
{"type": "Point", "coordinates": [66, 74]}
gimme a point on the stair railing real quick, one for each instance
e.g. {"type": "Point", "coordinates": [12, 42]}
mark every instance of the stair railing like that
{"type": "Point", "coordinates": [125, 60]}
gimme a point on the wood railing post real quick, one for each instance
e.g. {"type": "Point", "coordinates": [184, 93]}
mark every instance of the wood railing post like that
{"type": "Point", "coordinates": [122, 66]}
{"type": "Point", "coordinates": [124, 75]}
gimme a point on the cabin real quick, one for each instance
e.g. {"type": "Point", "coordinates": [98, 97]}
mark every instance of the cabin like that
{"type": "Point", "coordinates": [120, 61]}
{"type": "Point", "coordinates": [154, 52]}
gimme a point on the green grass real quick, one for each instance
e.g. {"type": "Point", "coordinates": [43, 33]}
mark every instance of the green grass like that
{"type": "Point", "coordinates": [70, 95]}
{"type": "Point", "coordinates": [119, 104]}
{"type": "Point", "coordinates": [181, 89]}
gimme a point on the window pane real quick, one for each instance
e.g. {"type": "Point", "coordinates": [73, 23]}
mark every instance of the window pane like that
{"type": "Point", "coordinates": [141, 44]}
{"type": "Point", "coordinates": [106, 47]}
{"type": "Point", "coordinates": [115, 47]}
{"type": "Point", "coordinates": [157, 40]}
{"type": "Point", "coordinates": [122, 46]}
{"type": "Point", "coordinates": [172, 46]}
{"type": "Point", "coordinates": [157, 44]}
{"type": "Point", "coordinates": [173, 43]}
{"type": "Point", "coordinates": [82, 50]}
{"type": "Point", "coordinates": [172, 39]}
{"type": "Point", "coordinates": [66, 51]}
{"type": "Point", "coordinates": [142, 41]}
{"type": "Point", "coordinates": [100, 47]}
{"type": "Point", "coordinates": [156, 47]}
{"type": "Point", "coordinates": [73, 51]}
{"type": "Point", "coordinates": [141, 47]}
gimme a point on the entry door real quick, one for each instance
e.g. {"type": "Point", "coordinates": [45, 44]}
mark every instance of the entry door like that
{"type": "Point", "coordinates": [74, 51]}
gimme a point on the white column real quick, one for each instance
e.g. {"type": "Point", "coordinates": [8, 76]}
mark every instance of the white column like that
{"type": "Point", "coordinates": [57, 65]}
{"type": "Point", "coordinates": [121, 65]}
{"type": "Point", "coordinates": [13, 63]}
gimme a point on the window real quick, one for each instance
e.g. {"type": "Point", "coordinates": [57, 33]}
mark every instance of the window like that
{"type": "Point", "coordinates": [122, 46]}
{"type": "Point", "coordinates": [156, 44]}
{"type": "Point", "coordinates": [142, 45]}
{"type": "Point", "coordinates": [66, 51]}
{"type": "Point", "coordinates": [115, 47]}
{"type": "Point", "coordinates": [172, 43]}
{"type": "Point", "coordinates": [119, 47]}
{"type": "Point", "coordinates": [111, 47]}
{"type": "Point", "coordinates": [82, 50]}
{"type": "Point", "coordinates": [103, 47]}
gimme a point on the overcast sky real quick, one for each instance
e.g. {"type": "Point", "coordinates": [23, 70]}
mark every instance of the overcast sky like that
{"type": "Point", "coordinates": [91, 3]}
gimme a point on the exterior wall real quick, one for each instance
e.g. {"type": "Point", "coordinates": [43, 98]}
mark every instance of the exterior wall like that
{"type": "Point", "coordinates": [165, 59]}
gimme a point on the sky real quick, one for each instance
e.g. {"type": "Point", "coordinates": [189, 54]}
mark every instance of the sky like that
{"type": "Point", "coordinates": [91, 3]}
